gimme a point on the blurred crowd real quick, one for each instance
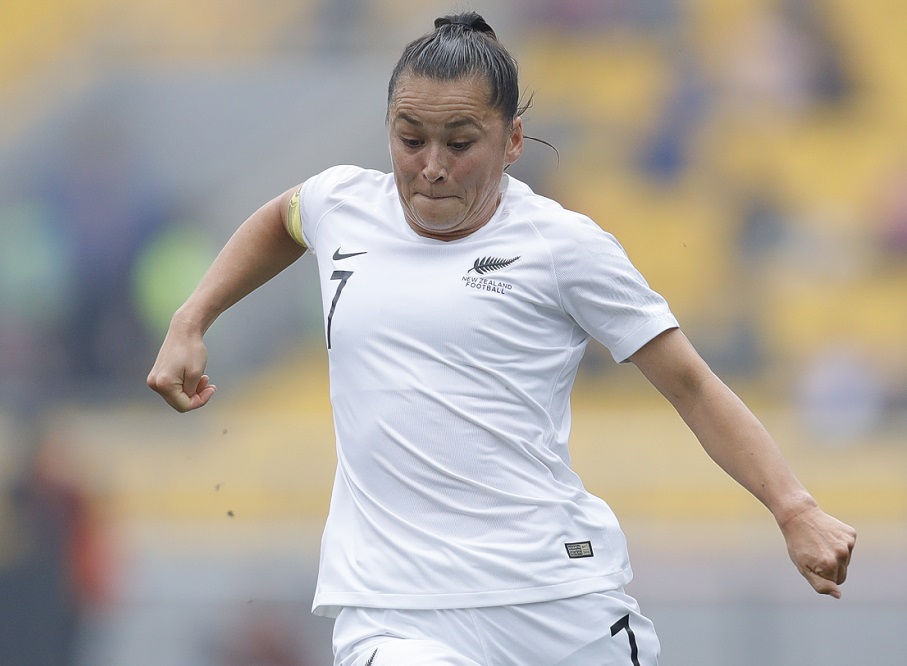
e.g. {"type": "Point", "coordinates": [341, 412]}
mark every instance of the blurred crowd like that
{"type": "Point", "coordinates": [98, 244]}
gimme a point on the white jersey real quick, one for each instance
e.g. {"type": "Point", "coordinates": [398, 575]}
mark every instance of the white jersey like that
{"type": "Point", "coordinates": [451, 366]}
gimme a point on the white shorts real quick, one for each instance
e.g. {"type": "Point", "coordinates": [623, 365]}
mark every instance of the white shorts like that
{"type": "Point", "coordinates": [599, 629]}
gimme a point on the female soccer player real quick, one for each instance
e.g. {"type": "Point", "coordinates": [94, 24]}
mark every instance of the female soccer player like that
{"type": "Point", "coordinates": [457, 305]}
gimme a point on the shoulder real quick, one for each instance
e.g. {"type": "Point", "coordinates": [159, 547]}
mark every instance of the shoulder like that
{"type": "Point", "coordinates": [336, 189]}
{"type": "Point", "coordinates": [342, 181]}
{"type": "Point", "coordinates": [562, 229]}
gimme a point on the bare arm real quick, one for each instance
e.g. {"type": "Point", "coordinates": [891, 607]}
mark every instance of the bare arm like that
{"type": "Point", "coordinates": [818, 544]}
{"type": "Point", "coordinates": [259, 250]}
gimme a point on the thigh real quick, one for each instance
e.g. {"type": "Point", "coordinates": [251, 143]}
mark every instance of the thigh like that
{"type": "Point", "coordinates": [603, 628]}
{"type": "Point", "coordinates": [377, 637]}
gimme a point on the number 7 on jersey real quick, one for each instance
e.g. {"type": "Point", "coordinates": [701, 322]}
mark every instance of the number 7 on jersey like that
{"type": "Point", "coordinates": [343, 276]}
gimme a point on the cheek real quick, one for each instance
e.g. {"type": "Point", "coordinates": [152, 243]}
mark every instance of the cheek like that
{"type": "Point", "coordinates": [479, 178]}
{"type": "Point", "coordinates": [404, 166]}
{"type": "Point", "coordinates": [471, 171]}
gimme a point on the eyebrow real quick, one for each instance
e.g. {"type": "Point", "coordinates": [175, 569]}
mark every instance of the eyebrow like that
{"type": "Point", "coordinates": [453, 124]}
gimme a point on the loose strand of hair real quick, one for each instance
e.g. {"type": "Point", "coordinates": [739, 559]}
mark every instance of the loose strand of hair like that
{"type": "Point", "coordinates": [557, 153]}
{"type": "Point", "coordinates": [522, 109]}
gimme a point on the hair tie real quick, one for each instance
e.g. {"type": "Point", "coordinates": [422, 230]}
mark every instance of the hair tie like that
{"type": "Point", "coordinates": [470, 21]}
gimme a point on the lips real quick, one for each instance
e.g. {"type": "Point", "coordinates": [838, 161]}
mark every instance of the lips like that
{"type": "Point", "coordinates": [436, 197]}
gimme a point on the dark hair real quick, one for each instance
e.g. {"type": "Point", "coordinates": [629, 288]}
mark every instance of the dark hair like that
{"type": "Point", "coordinates": [463, 45]}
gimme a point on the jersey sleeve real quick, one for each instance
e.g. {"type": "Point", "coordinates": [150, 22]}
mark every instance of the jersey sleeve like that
{"type": "Point", "coordinates": [606, 295]}
{"type": "Point", "coordinates": [317, 196]}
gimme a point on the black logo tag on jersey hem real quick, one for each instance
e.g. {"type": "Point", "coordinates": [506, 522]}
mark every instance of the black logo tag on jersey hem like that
{"type": "Point", "coordinates": [579, 549]}
{"type": "Point", "coordinates": [371, 659]}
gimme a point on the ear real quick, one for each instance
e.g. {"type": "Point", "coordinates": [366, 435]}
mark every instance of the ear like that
{"type": "Point", "coordinates": [514, 147]}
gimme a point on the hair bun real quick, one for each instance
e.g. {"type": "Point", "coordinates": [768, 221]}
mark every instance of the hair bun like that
{"type": "Point", "coordinates": [470, 20]}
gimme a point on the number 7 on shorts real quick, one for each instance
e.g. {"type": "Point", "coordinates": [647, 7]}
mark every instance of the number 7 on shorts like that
{"type": "Point", "coordinates": [624, 624]}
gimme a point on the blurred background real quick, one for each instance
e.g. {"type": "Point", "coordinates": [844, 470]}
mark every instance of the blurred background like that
{"type": "Point", "coordinates": [751, 155]}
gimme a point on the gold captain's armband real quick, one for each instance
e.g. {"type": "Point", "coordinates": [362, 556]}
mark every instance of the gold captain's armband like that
{"type": "Point", "coordinates": [294, 220]}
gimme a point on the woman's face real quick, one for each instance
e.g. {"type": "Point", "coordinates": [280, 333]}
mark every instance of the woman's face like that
{"type": "Point", "coordinates": [449, 149]}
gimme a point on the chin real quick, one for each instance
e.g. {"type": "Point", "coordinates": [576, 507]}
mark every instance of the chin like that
{"type": "Point", "coordinates": [436, 222]}
{"type": "Point", "coordinates": [436, 226]}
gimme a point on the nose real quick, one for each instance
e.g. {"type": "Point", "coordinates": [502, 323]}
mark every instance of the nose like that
{"type": "Point", "coordinates": [435, 169]}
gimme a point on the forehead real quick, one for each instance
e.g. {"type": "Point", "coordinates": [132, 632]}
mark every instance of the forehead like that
{"type": "Point", "coordinates": [430, 101]}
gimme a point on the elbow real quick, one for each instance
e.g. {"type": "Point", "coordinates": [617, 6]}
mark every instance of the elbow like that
{"type": "Point", "coordinates": [692, 389]}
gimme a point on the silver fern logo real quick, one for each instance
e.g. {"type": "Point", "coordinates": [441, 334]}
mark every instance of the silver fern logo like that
{"type": "Point", "coordinates": [485, 265]}
{"type": "Point", "coordinates": [481, 267]}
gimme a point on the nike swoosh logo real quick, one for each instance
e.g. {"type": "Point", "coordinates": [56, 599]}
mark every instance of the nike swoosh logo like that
{"type": "Point", "coordinates": [338, 255]}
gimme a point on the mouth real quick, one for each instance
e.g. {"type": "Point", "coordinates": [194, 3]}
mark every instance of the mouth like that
{"type": "Point", "coordinates": [435, 197]}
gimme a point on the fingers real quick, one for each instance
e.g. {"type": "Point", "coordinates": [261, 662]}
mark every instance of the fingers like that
{"type": "Point", "coordinates": [828, 574]}
{"type": "Point", "coordinates": [188, 398]}
{"type": "Point", "coordinates": [178, 374]}
{"type": "Point", "coordinates": [821, 547]}
{"type": "Point", "coordinates": [823, 585]}
{"type": "Point", "coordinates": [828, 580]}
{"type": "Point", "coordinates": [843, 563]}
{"type": "Point", "coordinates": [203, 392]}
{"type": "Point", "coordinates": [827, 583]}
{"type": "Point", "coordinates": [184, 394]}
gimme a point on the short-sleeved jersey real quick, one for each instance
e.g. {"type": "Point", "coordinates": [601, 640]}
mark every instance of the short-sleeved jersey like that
{"type": "Point", "coordinates": [451, 366]}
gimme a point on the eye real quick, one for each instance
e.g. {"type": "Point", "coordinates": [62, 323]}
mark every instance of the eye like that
{"type": "Point", "coordinates": [459, 146]}
{"type": "Point", "coordinates": [410, 142]}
